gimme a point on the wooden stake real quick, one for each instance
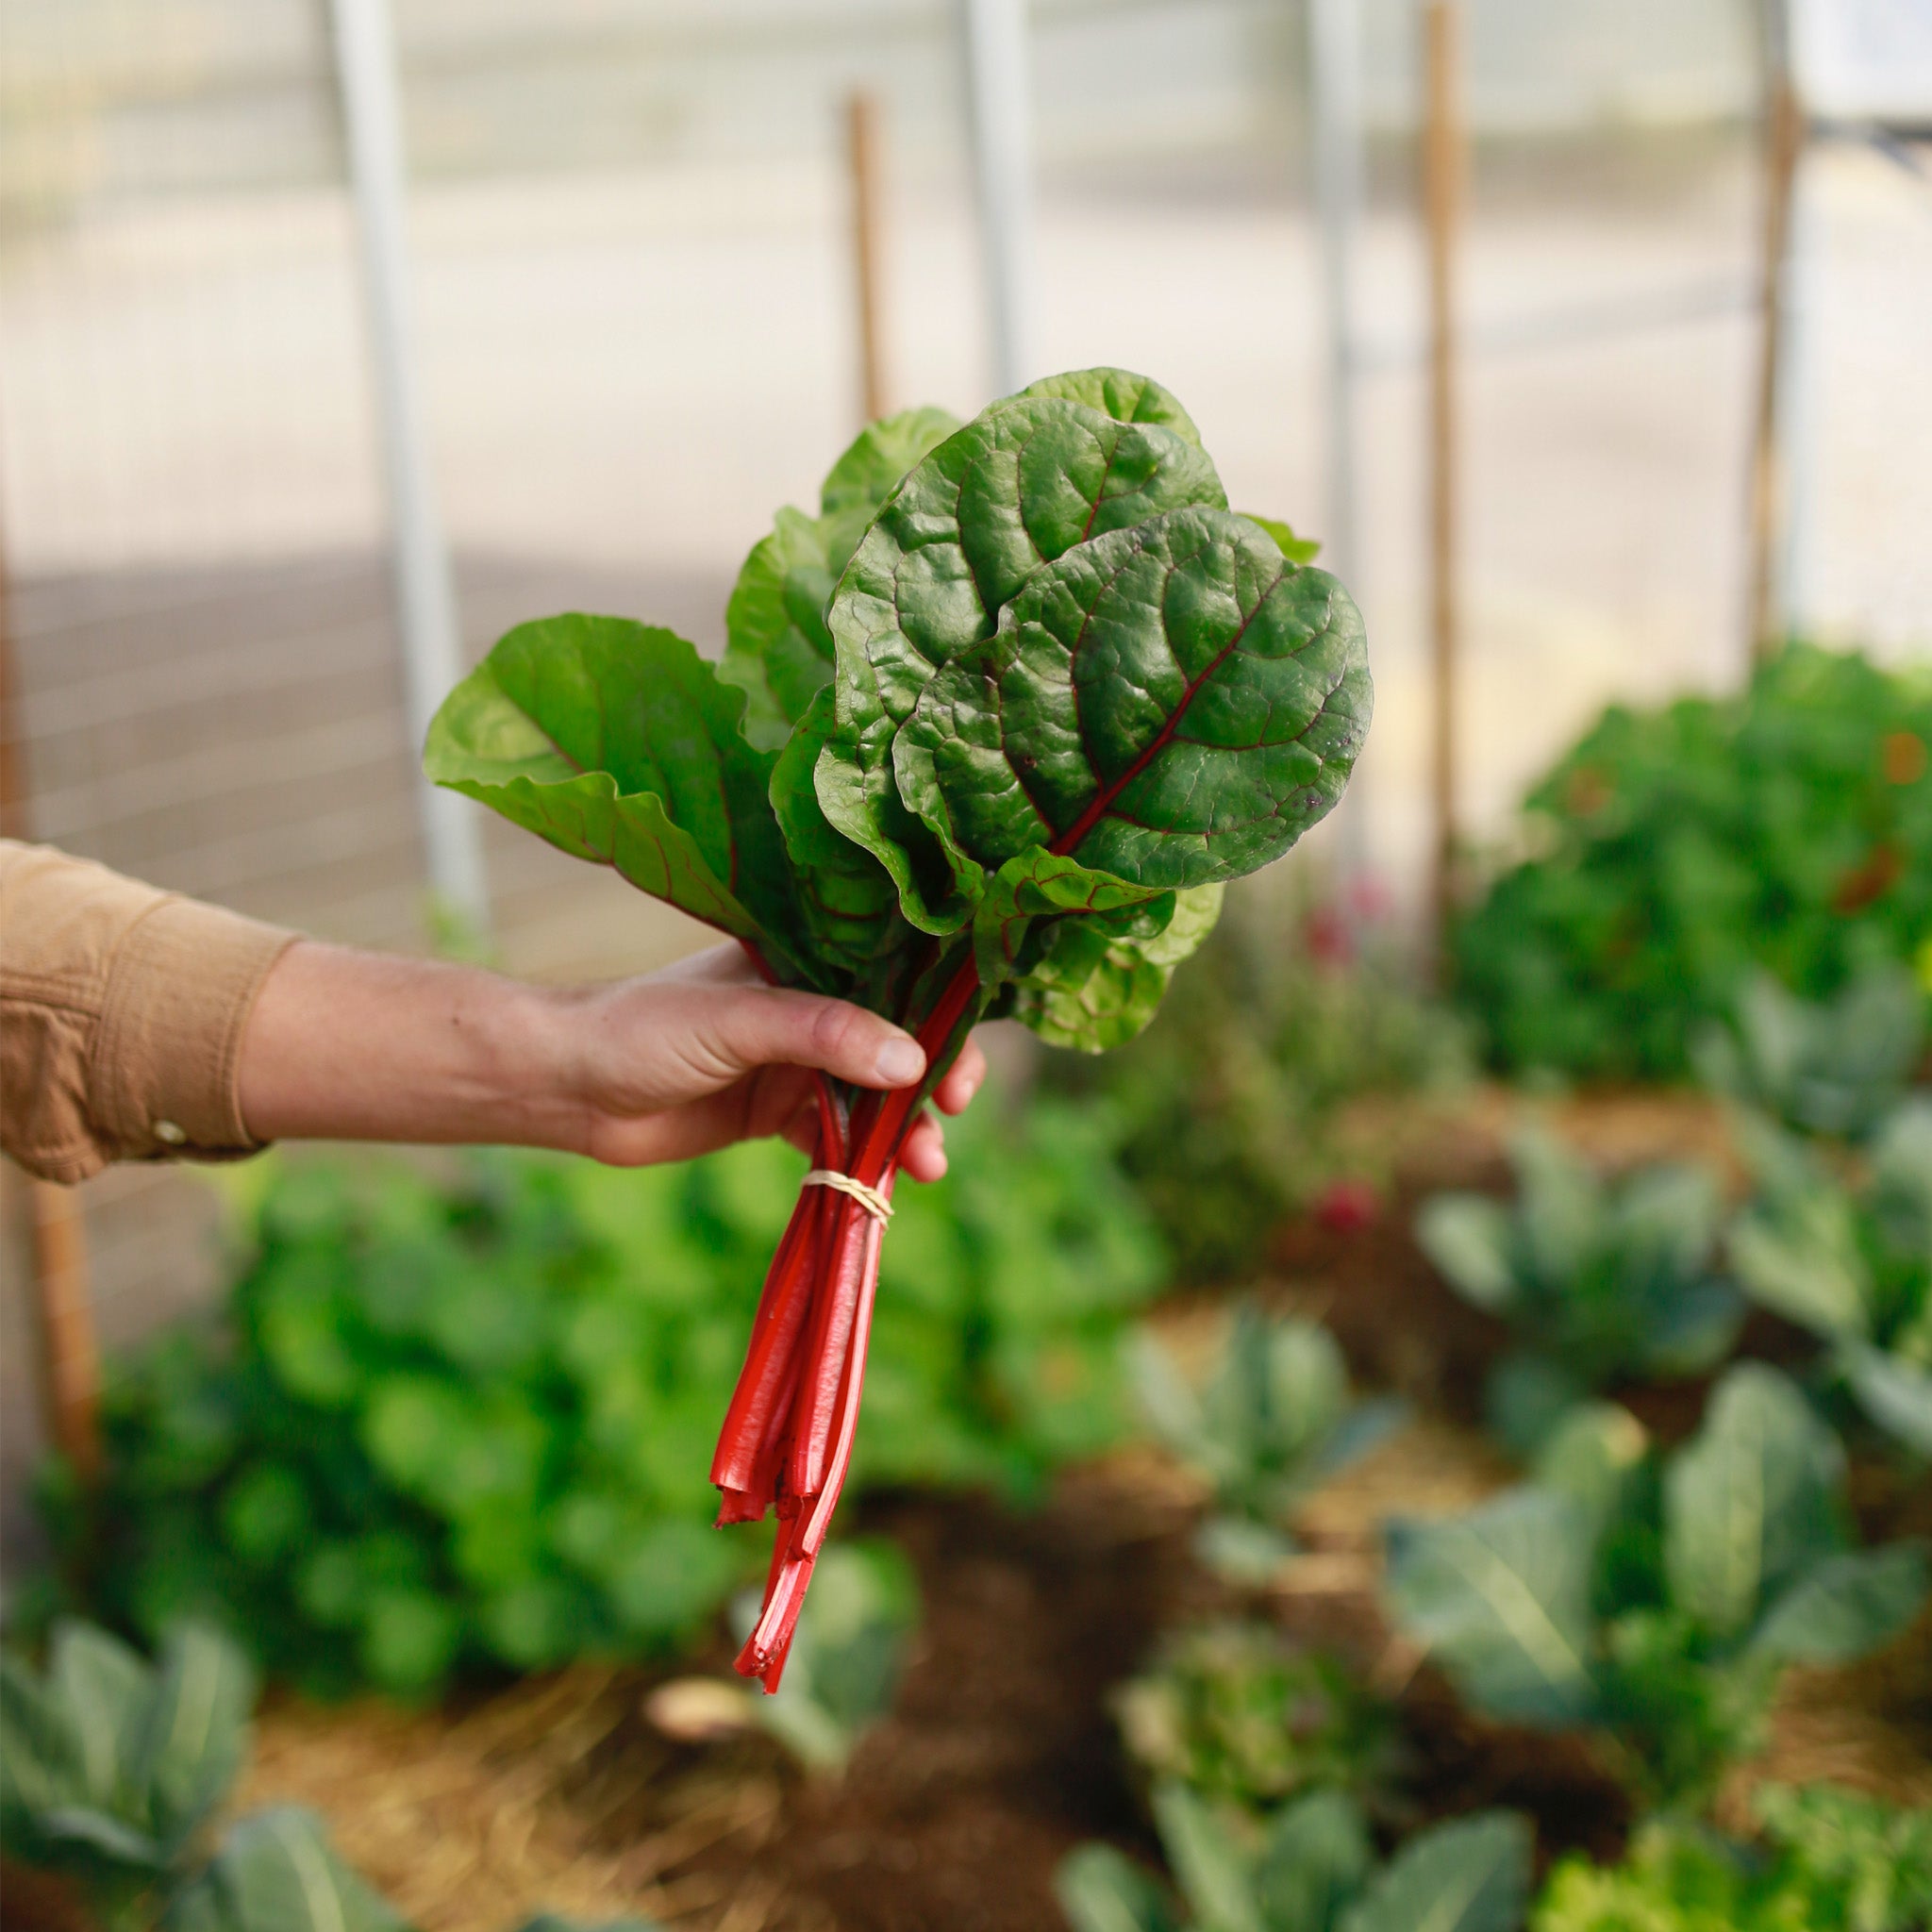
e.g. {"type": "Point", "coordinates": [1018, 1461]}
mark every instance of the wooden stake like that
{"type": "Point", "coordinates": [70, 1367]}
{"type": "Point", "coordinates": [862, 153]}
{"type": "Point", "coordinates": [1784, 143]}
{"type": "Point", "coordinates": [1444, 164]}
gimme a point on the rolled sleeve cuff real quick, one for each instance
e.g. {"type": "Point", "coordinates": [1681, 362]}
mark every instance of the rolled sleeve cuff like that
{"type": "Point", "coordinates": [162, 1079]}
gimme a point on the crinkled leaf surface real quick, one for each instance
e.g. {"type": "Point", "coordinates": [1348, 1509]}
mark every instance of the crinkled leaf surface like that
{"type": "Point", "coordinates": [1751, 1501]}
{"type": "Point", "coordinates": [1038, 885]}
{"type": "Point", "coordinates": [1122, 395]}
{"type": "Point", "coordinates": [846, 898]}
{"type": "Point", "coordinates": [1174, 703]}
{"type": "Point", "coordinates": [1092, 1001]}
{"type": "Point", "coordinates": [616, 742]}
{"type": "Point", "coordinates": [779, 650]}
{"type": "Point", "coordinates": [1018, 487]}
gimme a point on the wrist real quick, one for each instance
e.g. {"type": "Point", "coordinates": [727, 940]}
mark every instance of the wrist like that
{"type": "Point", "coordinates": [534, 1074]}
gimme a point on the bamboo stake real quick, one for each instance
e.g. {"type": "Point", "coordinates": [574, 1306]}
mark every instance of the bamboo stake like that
{"type": "Point", "coordinates": [862, 155]}
{"type": "Point", "coordinates": [1444, 143]}
{"type": "Point", "coordinates": [69, 1364]}
{"type": "Point", "coordinates": [1784, 143]}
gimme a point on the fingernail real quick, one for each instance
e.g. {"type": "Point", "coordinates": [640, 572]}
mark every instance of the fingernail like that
{"type": "Point", "coordinates": [900, 1062]}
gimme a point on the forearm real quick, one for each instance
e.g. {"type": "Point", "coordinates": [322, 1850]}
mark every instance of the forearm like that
{"type": "Point", "coordinates": [347, 1045]}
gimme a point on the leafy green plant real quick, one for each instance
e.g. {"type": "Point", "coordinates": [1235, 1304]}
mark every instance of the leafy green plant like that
{"type": "Point", "coordinates": [112, 1770]}
{"type": "Point", "coordinates": [1226, 1108]}
{"type": "Point", "coordinates": [1058, 695]}
{"type": "Point", "coordinates": [1309, 1867]}
{"type": "Point", "coordinates": [1658, 1605]}
{"type": "Point", "coordinates": [1601, 1281]}
{"type": "Point", "coordinates": [1831, 1862]}
{"type": "Point", "coordinates": [1853, 1263]}
{"type": "Point", "coordinates": [461, 1422]}
{"type": "Point", "coordinates": [847, 1654]}
{"type": "Point", "coordinates": [1274, 1419]}
{"type": "Point", "coordinates": [1238, 1714]}
{"type": "Point", "coordinates": [1673, 852]}
{"type": "Point", "coordinates": [1834, 1066]}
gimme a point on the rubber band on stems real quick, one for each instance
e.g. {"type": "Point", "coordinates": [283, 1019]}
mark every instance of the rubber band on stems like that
{"type": "Point", "coordinates": [870, 1199]}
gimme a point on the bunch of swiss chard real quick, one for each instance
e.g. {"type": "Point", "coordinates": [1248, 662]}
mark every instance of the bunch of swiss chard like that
{"type": "Point", "coordinates": [991, 732]}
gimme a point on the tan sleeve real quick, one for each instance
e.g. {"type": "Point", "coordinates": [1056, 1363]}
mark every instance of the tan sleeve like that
{"type": "Point", "coordinates": [121, 1011]}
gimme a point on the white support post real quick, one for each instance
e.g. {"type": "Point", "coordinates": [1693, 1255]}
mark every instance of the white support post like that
{"type": "Point", "coordinates": [1336, 125]}
{"type": "Point", "coordinates": [426, 593]}
{"type": "Point", "coordinates": [1000, 96]}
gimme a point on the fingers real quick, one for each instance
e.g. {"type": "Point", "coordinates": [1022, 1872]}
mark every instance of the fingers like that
{"type": "Point", "coordinates": [923, 1156]}
{"type": "Point", "coordinates": [740, 1028]}
{"type": "Point", "coordinates": [961, 1080]}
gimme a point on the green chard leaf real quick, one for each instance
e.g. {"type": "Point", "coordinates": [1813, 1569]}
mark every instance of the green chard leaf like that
{"type": "Point", "coordinates": [1296, 549]}
{"type": "Point", "coordinates": [1091, 991]}
{"type": "Point", "coordinates": [1122, 395]}
{"type": "Point", "coordinates": [1019, 487]}
{"type": "Point", "coordinates": [1174, 703]}
{"type": "Point", "coordinates": [779, 650]}
{"type": "Point", "coordinates": [616, 742]}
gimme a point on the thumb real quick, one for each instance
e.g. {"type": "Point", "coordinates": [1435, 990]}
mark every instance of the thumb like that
{"type": "Point", "coordinates": [758, 1026]}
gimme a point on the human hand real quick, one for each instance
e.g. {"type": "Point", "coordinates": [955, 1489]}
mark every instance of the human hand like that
{"type": "Point", "coordinates": [705, 1053]}
{"type": "Point", "coordinates": [359, 1046]}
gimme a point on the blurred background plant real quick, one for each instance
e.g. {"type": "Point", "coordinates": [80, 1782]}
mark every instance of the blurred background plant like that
{"type": "Point", "coordinates": [1659, 1603]}
{"type": "Point", "coordinates": [1601, 1282]}
{"type": "Point", "coordinates": [464, 1417]}
{"type": "Point", "coordinates": [1674, 851]}
{"type": "Point", "coordinates": [113, 1771]}
{"type": "Point", "coordinates": [1274, 1419]}
{"type": "Point", "coordinates": [1826, 1860]}
{"type": "Point", "coordinates": [1312, 1866]}
{"type": "Point", "coordinates": [1850, 1260]}
{"type": "Point", "coordinates": [1241, 1715]}
{"type": "Point", "coordinates": [1224, 1111]}
{"type": "Point", "coordinates": [1835, 1067]}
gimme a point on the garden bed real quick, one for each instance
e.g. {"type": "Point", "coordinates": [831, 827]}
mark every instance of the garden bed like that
{"type": "Point", "coordinates": [999, 1756]}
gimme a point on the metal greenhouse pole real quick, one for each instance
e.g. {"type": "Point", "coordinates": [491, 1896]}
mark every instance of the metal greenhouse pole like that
{"type": "Point", "coordinates": [1000, 98]}
{"type": "Point", "coordinates": [426, 593]}
{"type": "Point", "coordinates": [1336, 125]}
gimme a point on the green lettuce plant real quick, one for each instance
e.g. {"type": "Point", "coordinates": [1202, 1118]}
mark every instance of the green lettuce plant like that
{"type": "Point", "coordinates": [112, 1772]}
{"type": "Point", "coordinates": [1241, 1716]}
{"type": "Point", "coordinates": [1312, 1866]}
{"type": "Point", "coordinates": [1672, 853]}
{"type": "Point", "coordinates": [1836, 1067]}
{"type": "Point", "coordinates": [1657, 1604]}
{"type": "Point", "coordinates": [1602, 1282]}
{"type": "Point", "coordinates": [1057, 696]}
{"type": "Point", "coordinates": [1829, 1861]}
{"type": "Point", "coordinates": [457, 1418]}
{"type": "Point", "coordinates": [1853, 1263]}
{"type": "Point", "coordinates": [1274, 1419]}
